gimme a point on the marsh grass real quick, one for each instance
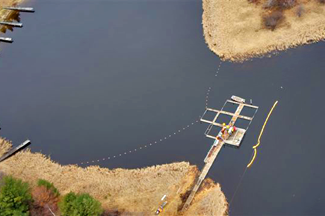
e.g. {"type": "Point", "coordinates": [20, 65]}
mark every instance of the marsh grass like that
{"type": "Point", "coordinates": [134, 191]}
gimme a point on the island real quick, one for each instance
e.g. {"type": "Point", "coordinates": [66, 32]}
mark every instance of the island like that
{"type": "Point", "coordinates": [238, 30]}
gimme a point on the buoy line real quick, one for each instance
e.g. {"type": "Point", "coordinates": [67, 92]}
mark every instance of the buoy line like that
{"type": "Point", "coordinates": [209, 89]}
{"type": "Point", "coordinates": [141, 147]}
{"type": "Point", "coordinates": [261, 133]}
{"type": "Point", "coordinates": [158, 140]}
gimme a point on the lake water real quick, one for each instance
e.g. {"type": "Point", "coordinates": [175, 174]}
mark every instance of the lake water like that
{"type": "Point", "coordinates": [85, 80]}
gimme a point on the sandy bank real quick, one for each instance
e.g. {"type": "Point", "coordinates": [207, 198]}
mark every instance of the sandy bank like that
{"type": "Point", "coordinates": [233, 28]}
{"type": "Point", "coordinates": [134, 192]}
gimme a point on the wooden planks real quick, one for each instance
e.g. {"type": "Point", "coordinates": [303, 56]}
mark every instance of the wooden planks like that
{"type": "Point", "coordinates": [234, 139]}
{"type": "Point", "coordinates": [203, 174]}
{"type": "Point", "coordinates": [15, 150]}
{"type": "Point", "coordinates": [230, 114]}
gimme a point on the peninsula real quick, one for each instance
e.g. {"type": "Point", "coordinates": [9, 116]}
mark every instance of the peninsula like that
{"type": "Point", "coordinates": [126, 191]}
{"type": "Point", "coordinates": [237, 30]}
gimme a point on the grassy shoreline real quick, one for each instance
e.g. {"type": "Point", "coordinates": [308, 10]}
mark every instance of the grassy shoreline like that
{"type": "Point", "coordinates": [234, 31]}
{"type": "Point", "coordinates": [7, 14]}
{"type": "Point", "coordinates": [134, 191]}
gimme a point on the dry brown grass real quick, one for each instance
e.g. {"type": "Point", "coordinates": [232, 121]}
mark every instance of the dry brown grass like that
{"type": "Point", "coordinates": [209, 196]}
{"type": "Point", "coordinates": [6, 14]}
{"type": "Point", "coordinates": [134, 192]}
{"type": "Point", "coordinates": [233, 29]}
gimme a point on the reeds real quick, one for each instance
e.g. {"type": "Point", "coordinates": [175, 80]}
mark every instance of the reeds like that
{"type": "Point", "coordinates": [137, 191]}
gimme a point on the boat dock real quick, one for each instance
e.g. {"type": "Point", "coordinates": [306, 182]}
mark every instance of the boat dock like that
{"type": "Point", "coordinates": [13, 151]}
{"type": "Point", "coordinates": [6, 39]}
{"type": "Point", "coordinates": [20, 9]}
{"type": "Point", "coordinates": [233, 139]}
{"type": "Point", "coordinates": [13, 24]}
{"type": "Point", "coordinates": [8, 24]}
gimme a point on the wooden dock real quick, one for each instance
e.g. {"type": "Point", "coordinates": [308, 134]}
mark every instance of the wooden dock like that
{"type": "Point", "coordinates": [20, 9]}
{"type": "Point", "coordinates": [234, 139]}
{"type": "Point", "coordinates": [6, 40]}
{"type": "Point", "coordinates": [13, 151]}
{"type": "Point", "coordinates": [12, 24]}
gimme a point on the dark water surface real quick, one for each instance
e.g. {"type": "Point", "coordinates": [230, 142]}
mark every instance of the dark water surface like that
{"type": "Point", "coordinates": [86, 80]}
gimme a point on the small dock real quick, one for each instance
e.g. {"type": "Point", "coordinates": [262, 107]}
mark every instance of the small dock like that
{"type": "Point", "coordinates": [13, 151]}
{"type": "Point", "coordinates": [233, 139]}
{"type": "Point", "coordinates": [6, 40]}
{"type": "Point", "coordinates": [21, 9]}
{"type": "Point", "coordinates": [12, 24]}
{"type": "Point", "coordinates": [7, 24]}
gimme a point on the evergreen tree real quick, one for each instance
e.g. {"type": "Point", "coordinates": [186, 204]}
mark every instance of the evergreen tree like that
{"type": "Point", "coordinates": [15, 197]}
{"type": "Point", "coordinates": [80, 205]}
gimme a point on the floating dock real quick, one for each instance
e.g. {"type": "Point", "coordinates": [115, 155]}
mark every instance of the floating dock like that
{"type": "Point", "coordinates": [6, 40]}
{"type": "Point", "coordinates": [13, 24]}
{"type": "Point", "coordinates": [20, 9]}
{"type": "Point", "coordinates": [15, 150]}
{"type": "Point", "coordinates": [233, 139]}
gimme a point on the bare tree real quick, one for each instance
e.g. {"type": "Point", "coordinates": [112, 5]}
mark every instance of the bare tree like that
{"type": "Point", "coordinates": [273, 19]}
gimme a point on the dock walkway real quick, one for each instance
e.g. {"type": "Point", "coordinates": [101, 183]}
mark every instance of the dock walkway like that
{"type": "Point", "coordinates": [205, 170]}
{"type": "Point", "coordinates": [214, 151]}
{"type": "Point", "coordinates": [13, 151]}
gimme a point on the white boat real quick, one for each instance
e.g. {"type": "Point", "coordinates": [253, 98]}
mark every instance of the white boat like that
{"type": "Point", "coordinates": [237, 99]}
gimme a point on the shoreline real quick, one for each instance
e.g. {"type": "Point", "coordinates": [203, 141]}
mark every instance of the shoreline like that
{"type": "Point", "coordinates": [8, 14]}
{"type": "Point", "coordinates": [135, 191]}
{"type": "Point", "coordinates": [233, 29]}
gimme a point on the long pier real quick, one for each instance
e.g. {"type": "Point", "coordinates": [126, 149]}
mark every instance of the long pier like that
{"type": "Point", "coordinates": [216, 148]}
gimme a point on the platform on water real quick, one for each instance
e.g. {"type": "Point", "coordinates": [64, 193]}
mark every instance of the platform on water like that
{"type": "Point", "coordinates": [234, 139]}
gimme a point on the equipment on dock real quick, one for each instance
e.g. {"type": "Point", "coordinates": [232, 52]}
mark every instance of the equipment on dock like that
{"type": "Point", "coordinates": [238, 133]}
{"type": "Point", "coordinates": [229, 134]}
